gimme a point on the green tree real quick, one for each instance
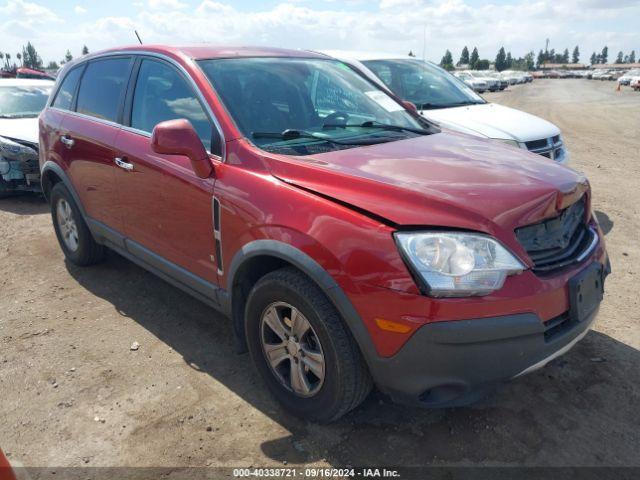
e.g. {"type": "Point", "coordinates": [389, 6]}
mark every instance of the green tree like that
{"type": "Point", "coordinates": [68, 57]}
{"type": "Point", "coordinates": [540, 60]}
{"type": "Point", "coordinates": [620, 57]}
{"type": "Point", "coordinates": [501, 60]}
{"type": "Point", "coordinates": [411, 54]}
{"type": "Point", "coordinates": [464, 56]}
{"type": "Point", "coordinates": [474, 58]}
{"type": "Point", "coordinates": [594, 58]}
{"type": "Point", "coordinates": [30, 57]}
{"type": "Point", "coordinates": [53, 65]}
{"type": "Point", "coordinates": [483, 64]}
{"type": "Point", "coordinates": [604, 56]}
{"type": "Point", "coordinates": [565, 56]}
{"type": "Point", "coordinates": [447, 61]}
{"type": "Point", "coordinates": [509, 60]}
{"type": "Point", "coordinates": [632, 56]}
{"type": "Point", "coordinates": [85, 50]}
{"type": "Point", "coordinates": [19, 57]}
{"type": "Point", "coordinates": [575, 58]}
{"type": "Point", "coordinates": [529, 61]}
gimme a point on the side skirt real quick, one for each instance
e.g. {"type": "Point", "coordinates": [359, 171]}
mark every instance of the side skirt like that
{"type": "Point", "coordinates": [176, 275]}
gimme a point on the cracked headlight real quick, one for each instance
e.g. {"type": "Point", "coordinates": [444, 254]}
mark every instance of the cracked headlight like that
{"type": "Point", "coordinates": [456, 264]}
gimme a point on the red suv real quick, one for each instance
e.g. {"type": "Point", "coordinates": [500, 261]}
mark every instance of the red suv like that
{"type": "Point", "coordinates": [350, 241]}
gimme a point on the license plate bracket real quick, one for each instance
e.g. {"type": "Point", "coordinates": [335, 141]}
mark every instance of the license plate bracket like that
{"type": "Point", "coordinates": [586, 290]}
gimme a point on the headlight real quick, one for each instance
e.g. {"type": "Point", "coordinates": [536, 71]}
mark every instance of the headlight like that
{"type": "Point", "coordinates": [455, 264]}
{"type": "Point", "coordinates": [513, 143]}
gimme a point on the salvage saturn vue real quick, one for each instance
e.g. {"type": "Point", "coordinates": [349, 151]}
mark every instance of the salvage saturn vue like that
{"type": "Point", "coordinates": [351, 242]}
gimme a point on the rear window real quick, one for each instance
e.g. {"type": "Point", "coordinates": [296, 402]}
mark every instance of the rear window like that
{"type": "Point", "coordinates": [102, 88]}
{"type": "Point", "coordinates": [64, 97]}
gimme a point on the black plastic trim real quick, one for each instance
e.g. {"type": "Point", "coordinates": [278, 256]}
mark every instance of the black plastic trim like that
{"type": "Point", "coordinates": [315, 272]}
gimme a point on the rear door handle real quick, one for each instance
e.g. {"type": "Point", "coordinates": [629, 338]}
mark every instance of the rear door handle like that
{"type": "Point", "coordinates": [122, 163]}
{"type": "Point", "coordinates": [67, 141]}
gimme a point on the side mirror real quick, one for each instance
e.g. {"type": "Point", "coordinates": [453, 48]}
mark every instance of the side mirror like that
{"type": "Point", "coordinates": [410, 106]}
{"type": "Point", "coordinates": [177, 137]}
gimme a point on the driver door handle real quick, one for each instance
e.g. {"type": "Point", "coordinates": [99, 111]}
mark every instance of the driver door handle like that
{"type": "Point", "coordinates": [122, 163]}
{"type": "Point", "coordinates": [67, 141]}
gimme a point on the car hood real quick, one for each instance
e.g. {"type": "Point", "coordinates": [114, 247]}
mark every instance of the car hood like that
{"type": "Point", "coordinates": [20, 129]}
{"type": "Point", "coordinates": [445, 180]}
{"type": "Point", "coordinates": [493, 121]}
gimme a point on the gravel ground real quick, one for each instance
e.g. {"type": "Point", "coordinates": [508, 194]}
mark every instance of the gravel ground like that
{"type": "Point", "coordinates": [73, 393]}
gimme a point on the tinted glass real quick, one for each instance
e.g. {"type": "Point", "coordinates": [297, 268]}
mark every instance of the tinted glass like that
{"type": "Point", "coordinates": [64, 97]}
{"type": "Point", "coordinates": [423, 84]}
{"type": "Point", "coordinates": [102, 87]}
{"type": "Point", "coordinates": [318, 97]}
{"type": "Point", "coordinates": [23, 102]}
{"type": "Point", "coordinates": [163, 94]}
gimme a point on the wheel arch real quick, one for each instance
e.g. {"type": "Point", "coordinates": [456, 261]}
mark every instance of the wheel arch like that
{"type": "Point", "coordinates": [257, 258]}
{"type": "Point", "coordinates": [53, 173]}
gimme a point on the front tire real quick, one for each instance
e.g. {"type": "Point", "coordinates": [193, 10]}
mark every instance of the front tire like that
{"type": "Point", "coordinates": [76, 241]}
{"type": "Point", "coordinates": [302, 348]}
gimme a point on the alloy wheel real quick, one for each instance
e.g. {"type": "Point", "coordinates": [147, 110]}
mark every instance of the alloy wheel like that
{"type": "Point", "coordinates": [67, 225]}
{"type": "Point", "coordinates": [292, 349]}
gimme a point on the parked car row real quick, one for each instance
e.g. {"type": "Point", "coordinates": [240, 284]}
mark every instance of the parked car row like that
{"type": "Point", "coordinates": [628, 76]}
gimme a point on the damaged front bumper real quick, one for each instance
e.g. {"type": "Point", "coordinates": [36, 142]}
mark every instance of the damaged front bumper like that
{"type": "Point", "coordinates": [19, 167]}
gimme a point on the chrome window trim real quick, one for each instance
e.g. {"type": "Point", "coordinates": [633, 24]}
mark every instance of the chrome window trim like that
{"type": "Point", "coordinates": [181, 69]}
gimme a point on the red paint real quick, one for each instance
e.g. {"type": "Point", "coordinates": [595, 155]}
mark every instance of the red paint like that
{"type": "Point", "coordinates": [6, 472]}
{"type": "Point", "coordinates": [445, 180]}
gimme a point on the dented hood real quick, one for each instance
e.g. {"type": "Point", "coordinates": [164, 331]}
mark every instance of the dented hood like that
{"type": "Point", "coordinates": [446, 179]}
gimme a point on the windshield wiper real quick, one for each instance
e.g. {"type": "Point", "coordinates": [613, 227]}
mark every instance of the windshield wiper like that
{"type": "Point", "coordinates": [431, 106]}
{"type": "Point", "coordinates": [380, 125]}
{"type": "Point", "coordinates": [292, 134]}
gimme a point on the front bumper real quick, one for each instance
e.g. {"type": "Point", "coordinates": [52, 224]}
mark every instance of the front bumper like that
{"type": "Point", "coordinates": [454, 363]}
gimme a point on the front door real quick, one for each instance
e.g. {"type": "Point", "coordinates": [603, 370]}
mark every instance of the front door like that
{"type": "Point", "coordinates": [167, 209]}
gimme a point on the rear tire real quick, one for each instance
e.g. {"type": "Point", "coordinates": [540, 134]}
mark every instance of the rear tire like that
{"type": "Point", "coordinates": [343, 380]}
{"type": "Point", "coordinates": [74, 236]}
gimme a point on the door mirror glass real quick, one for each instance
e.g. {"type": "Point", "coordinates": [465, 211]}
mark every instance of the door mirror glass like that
{"type": "Point", "coordinates": [178, 137]}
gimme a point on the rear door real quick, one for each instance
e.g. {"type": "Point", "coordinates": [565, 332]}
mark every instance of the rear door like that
{"type": "Point", "coordinates": [89, 132]}
{"type": "Point", "coordinates": [167, 208]}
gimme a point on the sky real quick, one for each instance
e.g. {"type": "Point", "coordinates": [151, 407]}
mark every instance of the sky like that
{"type": "Point", "coordinates": [427, 27]}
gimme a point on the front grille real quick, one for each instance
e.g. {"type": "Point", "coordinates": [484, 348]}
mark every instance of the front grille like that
{"type": "Point", "coordinates": [560, 241]}
{"type": "Point", "coordinates": [551, 147]}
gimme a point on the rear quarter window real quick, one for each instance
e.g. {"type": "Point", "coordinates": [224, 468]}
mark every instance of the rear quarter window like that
{"type": "Point", "coordinates": [64, 97]}
{"type": "Point", "coordinates": [102, 88]}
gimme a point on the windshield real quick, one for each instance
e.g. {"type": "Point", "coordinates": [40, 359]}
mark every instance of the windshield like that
{"type": "Point", "coordinates": [423, 84]}
{"type": "Point", "coordinates": [22, 102]}
{"type": "Point", "coordinates": [300, 106]}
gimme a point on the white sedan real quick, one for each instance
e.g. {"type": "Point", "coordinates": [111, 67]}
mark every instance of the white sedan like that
{"type": "Point", "coordinates": [21, 101]}
{"type": "Point", "coordinates": [446, 100]}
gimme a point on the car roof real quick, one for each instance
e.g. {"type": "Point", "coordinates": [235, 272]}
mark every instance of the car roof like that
{"type": "Point", "coordinates": [202, 52]}
{"type": "Point", "coordinates": [25, 82]}
{"type": "Point", "coordinates": [364, 56]}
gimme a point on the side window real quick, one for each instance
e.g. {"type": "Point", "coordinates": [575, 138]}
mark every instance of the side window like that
{"type": "Point", "coordinates": [64, 97]}
{"type": "Point", "coordinates": [102, 86]}
{"type": "Point", "coordinates": [162, 94]}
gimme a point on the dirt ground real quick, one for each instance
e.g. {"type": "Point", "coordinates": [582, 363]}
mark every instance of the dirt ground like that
{"type": "Point", "coordinates": [72, 393]}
